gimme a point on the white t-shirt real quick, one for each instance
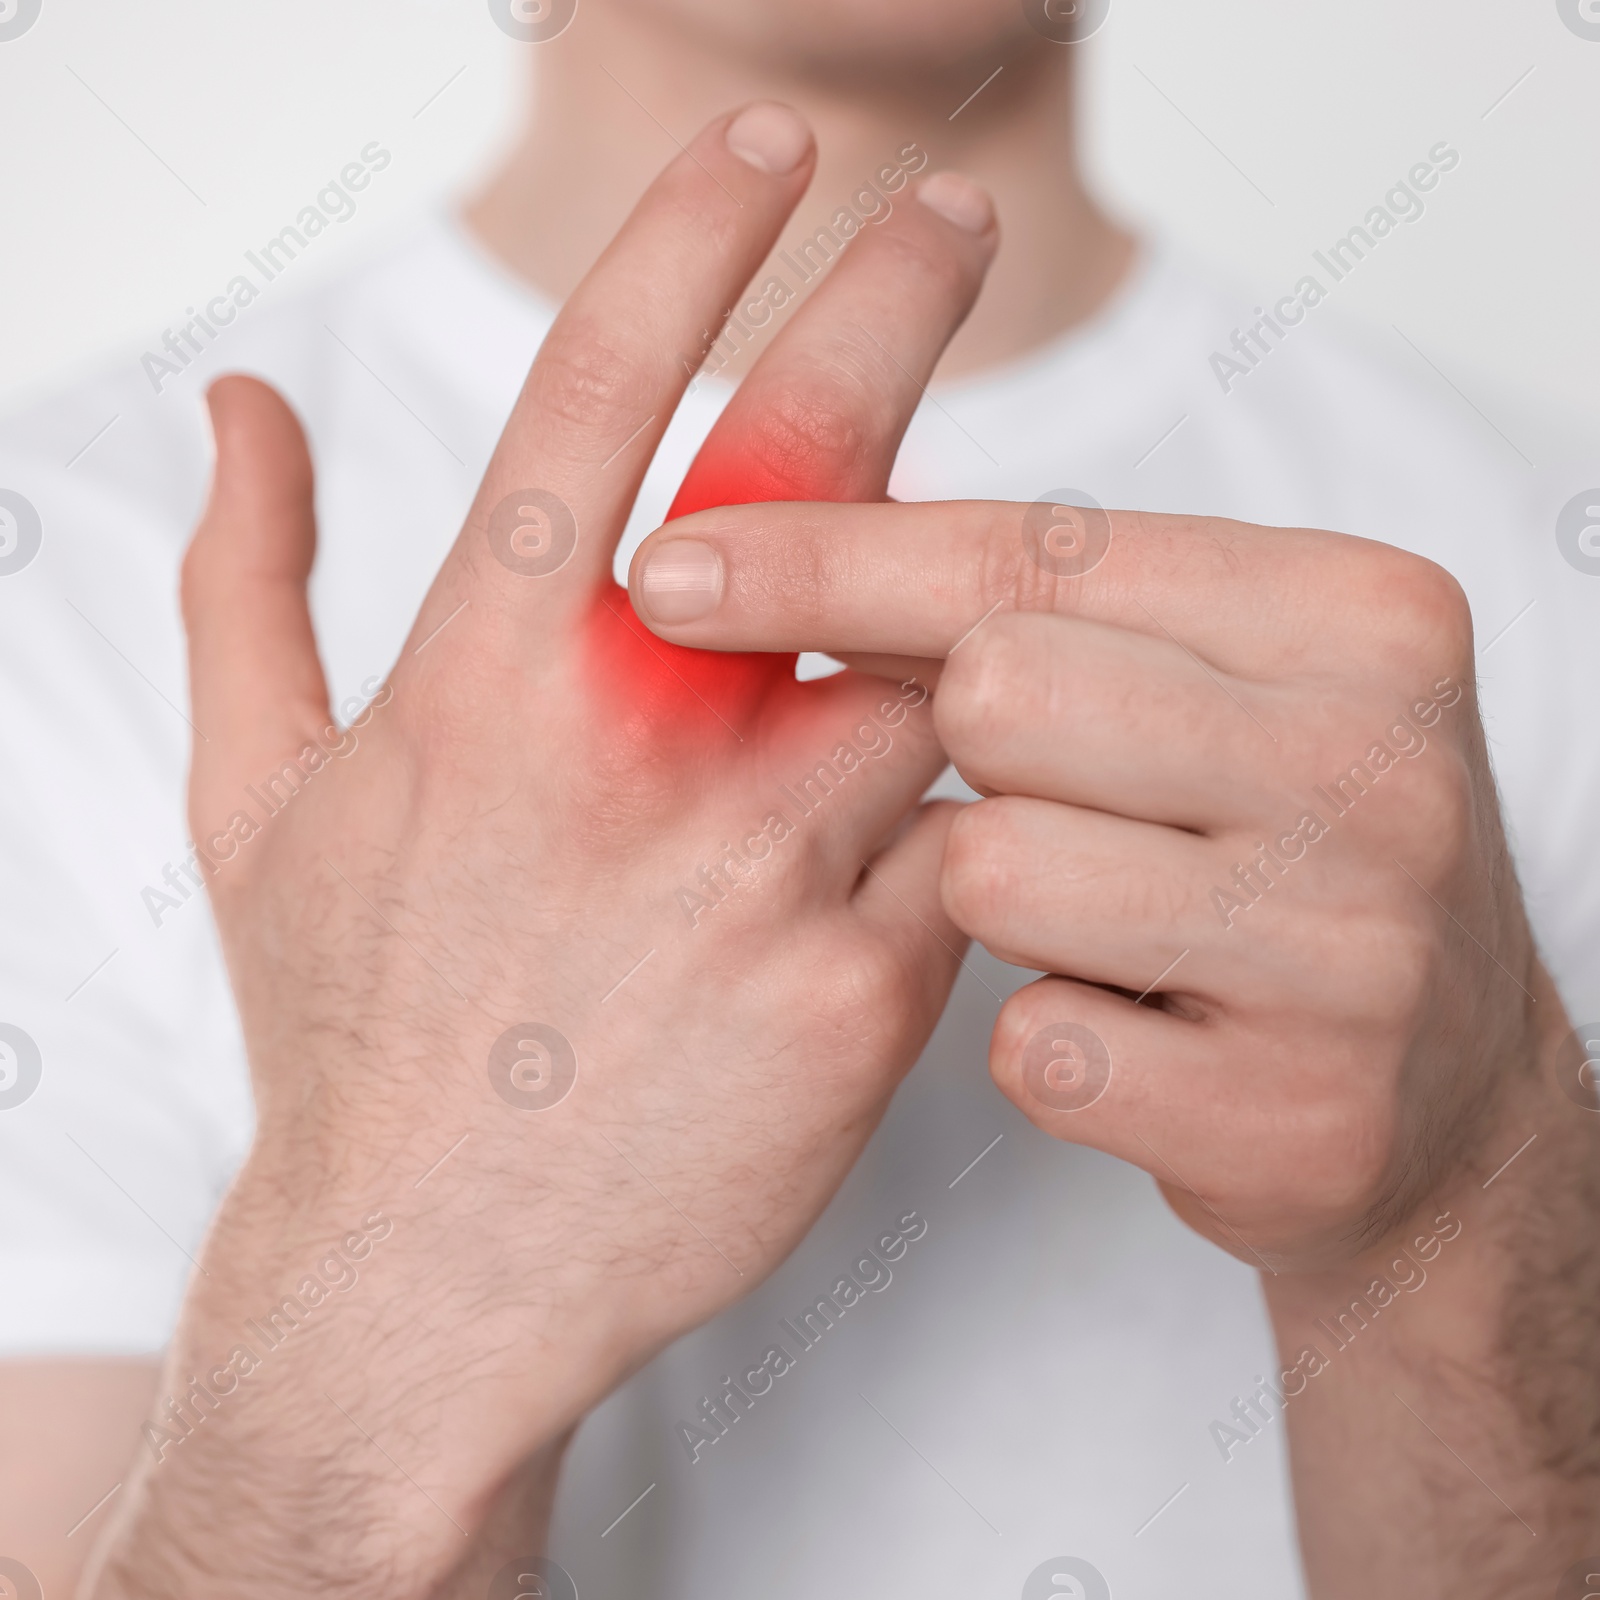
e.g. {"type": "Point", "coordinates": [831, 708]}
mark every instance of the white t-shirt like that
{"type": "Point", "coordinates": [1040, 1377]}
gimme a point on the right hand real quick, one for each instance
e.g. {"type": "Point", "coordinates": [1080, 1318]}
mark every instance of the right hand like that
{"type": "Point", "coordinates": [521, 828]}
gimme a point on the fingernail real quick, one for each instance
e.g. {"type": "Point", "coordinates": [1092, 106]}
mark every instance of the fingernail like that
{"type": "Point", "coordinates": [958, 200]}
{"type": "Point", "coordinates": [681, 581]}
{"type": "Point", "coordinates": [769, 137]}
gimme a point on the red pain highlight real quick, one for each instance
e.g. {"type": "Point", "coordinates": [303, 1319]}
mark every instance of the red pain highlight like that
{"type": "Point", "coordinates": [669, 688]}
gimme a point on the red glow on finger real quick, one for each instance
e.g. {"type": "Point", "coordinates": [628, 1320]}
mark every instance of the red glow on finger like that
{"type": "Point", "coordinates": [669, 688]}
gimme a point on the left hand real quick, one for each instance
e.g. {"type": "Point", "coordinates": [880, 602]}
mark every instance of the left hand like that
{"type": "Point", "coordinates": [1235, 772]}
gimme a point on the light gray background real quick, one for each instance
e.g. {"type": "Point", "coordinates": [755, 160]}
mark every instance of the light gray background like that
{"type": "Point", "coordinates": [146, 147]}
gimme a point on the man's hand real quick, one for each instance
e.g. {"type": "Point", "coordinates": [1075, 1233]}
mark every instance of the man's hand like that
{"type": "Point", "coordinates": [1237, 776]}
{"type": "Point", "coordinates": [571, 989]}
{"type": "Point", "coordinates": [1240, 808]}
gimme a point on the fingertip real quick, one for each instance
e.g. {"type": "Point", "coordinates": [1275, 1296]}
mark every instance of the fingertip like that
{"type": "Point", "coordinates": [234, 402]}
{"type": "Point", "coordinates": [962, 202]}
{"type": "Point", "coordinates": [771, 137]}
{"type": "Point", "coordinates": [262, 462]}
{"type": "Point", "coordinates": [238, 399]}
{"type": "Point", "coordinates": [220, 398]}
{"type": "Point", "coordinates": [676, 580]}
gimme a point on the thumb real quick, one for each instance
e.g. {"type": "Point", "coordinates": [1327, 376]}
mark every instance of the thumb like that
{"type": "Point", "coordinates": [898, 897]}
{"type": "Point", "coordinates": [255, 680]}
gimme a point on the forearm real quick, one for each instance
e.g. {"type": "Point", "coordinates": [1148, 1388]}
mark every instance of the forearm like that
{"type": "Point", "coordinates": [342, 1414]}
{"type": "Point", "coordinates": [1443, 1393]}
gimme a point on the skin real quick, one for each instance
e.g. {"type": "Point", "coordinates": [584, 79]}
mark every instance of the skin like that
{"type": "Point", "coordinates": [870, 77]}
{"type": "Point", "coordinates": [68, 1427]}
{"type": "Point", "coordinates": [1323, 1072]}
{"type": "Point", "coordinates": [441, 886]}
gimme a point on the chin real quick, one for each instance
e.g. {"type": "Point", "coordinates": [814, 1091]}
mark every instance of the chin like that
{"type": "Point", "coordinates": [850, 38]}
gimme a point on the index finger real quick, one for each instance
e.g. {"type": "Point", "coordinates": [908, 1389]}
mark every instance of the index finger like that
{"type": "Point", "coordinates": [916, 579]}
{"type": "Point", "coordinates": [610, 372]}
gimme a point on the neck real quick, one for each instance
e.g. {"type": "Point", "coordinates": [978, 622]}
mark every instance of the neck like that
{"type": "Point", "coordinates": [610, 89]}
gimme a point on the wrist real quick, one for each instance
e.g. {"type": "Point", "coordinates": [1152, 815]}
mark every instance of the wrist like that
{"type": "Point", "coordinates": [400, 1288]}
{"type": "Point", "coordinates": [353, 1384]}
{"type": "Point", "coordinates": [1444, 1272]}
{"type": "Point", "coordinates": [1469, 1329]}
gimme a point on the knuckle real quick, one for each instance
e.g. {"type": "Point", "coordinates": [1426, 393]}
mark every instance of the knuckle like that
{"type": "Point", "coordinates": [812, 418]}
{"type": "Point", "coordinates": [1436, 816]}
{"type": "Point", "coordinates": [1427, 608]}
{"type": "Point", "coordinates": [586, 378]}
{"type": "Point", "coordinates": [1401, 959]}
{"type": "Point", "coordinates": [1011, 570]}
{"type": "Point", "coordinates": [1005, 572]}
{"type": "Point", "coordinates": [886, 977]}
{"type": "Point", "coordinates": [869, 995]}
{"type": "Point", "coordinates": [980, 690]}
{"type": "Point", "coordinates": [1379, 969]}
{"type": "Point", "coordinates": [1343, 1157]}
{"type": "Point", "coordinates": [976, 879]}
{"type": "Point", "coordinates": [923, 265]}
